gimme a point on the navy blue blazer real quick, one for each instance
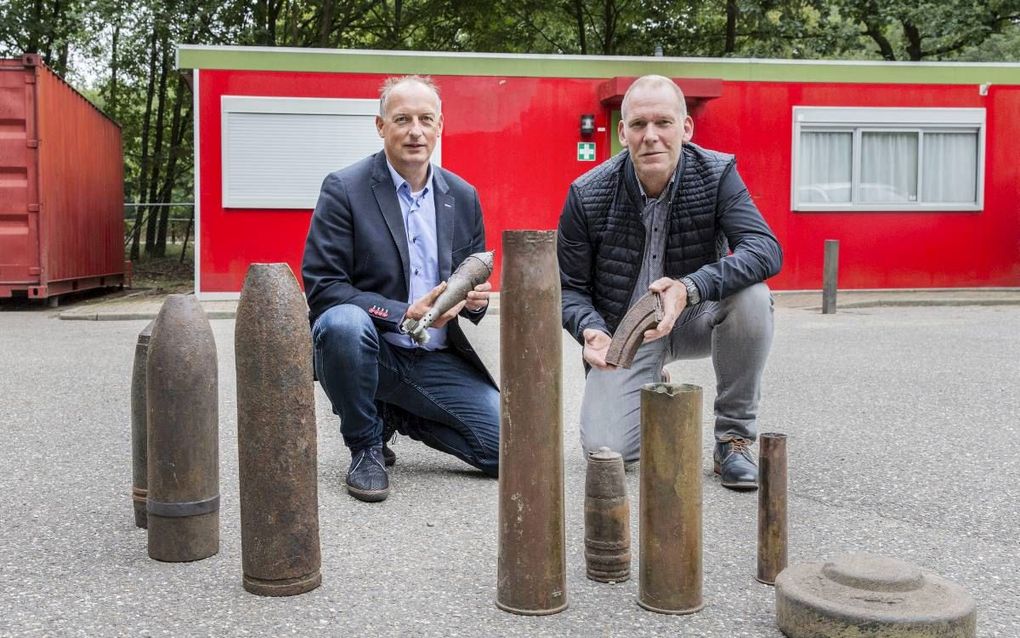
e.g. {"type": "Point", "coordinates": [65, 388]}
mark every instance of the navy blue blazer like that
{"type": "Point", "coordinates": [356, 250]}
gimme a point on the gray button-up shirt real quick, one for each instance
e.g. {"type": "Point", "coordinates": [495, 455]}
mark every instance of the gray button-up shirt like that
{"type": "Point", "coordinates": [655, 216]}
{"type": "Point", "coordinates": [419, 212]}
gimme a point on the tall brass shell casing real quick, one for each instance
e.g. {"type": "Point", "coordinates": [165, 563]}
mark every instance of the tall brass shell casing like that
{"type": "Point", "coordinates": [771, 506]}
{"type": "Point", "coordinates": [139, 429]}
{"type": "Point", "coordinates": [474, 270]}
{"type": "Point", "coordinates": [183, 432]}
{"type": "Point", "coordinates": [276, 435]}
{"type": "Point", "coordinates": [531, 577]}
{"type": "Point", "coordinates": [670, 562]}
{"type": "Point", "coordinates": [606, 518]}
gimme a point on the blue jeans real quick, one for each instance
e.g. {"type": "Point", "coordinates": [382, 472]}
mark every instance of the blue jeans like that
{"type": "Point", "coordinates": [459, 406]}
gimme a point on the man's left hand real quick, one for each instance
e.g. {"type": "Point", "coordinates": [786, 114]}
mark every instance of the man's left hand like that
{"type": "Point", "coordinates": [674, 299]}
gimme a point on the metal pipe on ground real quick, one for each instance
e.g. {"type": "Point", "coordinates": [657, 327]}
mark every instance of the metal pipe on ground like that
{"type": "Point", "coordinates": [830, 276]}
{"type": "Point", "coordinates": [276, 435]}
{"type": "Point", "coordinates": [772, 483]}
{"type": "Point", "coordinates": [183, 451]}
{"type": "Point", "coordinates": [531, 571]}
{"type": "Point", "coordinates": [670, 561]}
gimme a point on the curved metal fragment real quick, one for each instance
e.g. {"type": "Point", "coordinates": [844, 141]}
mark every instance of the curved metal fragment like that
{"type": "Point", "coordinates": [644, 314]}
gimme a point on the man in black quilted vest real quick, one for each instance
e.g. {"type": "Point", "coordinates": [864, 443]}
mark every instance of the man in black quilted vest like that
{"type": "Point", "coordinates": [671, 217]}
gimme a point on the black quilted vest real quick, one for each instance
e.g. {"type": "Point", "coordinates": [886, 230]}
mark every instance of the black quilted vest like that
{"type": "Point", "coordinates": [611, 201]}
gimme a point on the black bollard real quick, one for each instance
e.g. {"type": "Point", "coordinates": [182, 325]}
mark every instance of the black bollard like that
{"type": "Point", "coordinates": [276, 435]}
{"type": "Point", "coordinates": [183, 452]}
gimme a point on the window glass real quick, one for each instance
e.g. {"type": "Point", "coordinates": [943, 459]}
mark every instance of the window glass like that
{"type": "Point", "coordinates": [826, 166]}
{"type": "Point", "coordinates": [950, 167]}
{"type": "Point", "coordinates": [888, 167]}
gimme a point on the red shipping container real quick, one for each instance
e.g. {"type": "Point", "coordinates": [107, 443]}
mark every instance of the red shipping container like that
{"type": "Point", "coordinates": [61, 186]}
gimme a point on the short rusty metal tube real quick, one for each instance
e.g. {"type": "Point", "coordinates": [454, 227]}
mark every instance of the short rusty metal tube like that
{"type": "Point", "coordinates": [670, 562]}
{"type": "Point", "coordinates": [139, 429]}
{"type": "Point", "coordinates": [606, 518]}
{"type": "Point", "coordinates": [183, 503]}
{"type": "Point", "coordinates": [531, 570]}
{"type": "Point", "coordinates": [276, 435]}
{"type": "Point", "coordinates": [772, 480]}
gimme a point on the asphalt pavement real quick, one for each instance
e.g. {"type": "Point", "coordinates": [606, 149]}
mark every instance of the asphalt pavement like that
{"type": "Point", "coordinates": [901, 420]}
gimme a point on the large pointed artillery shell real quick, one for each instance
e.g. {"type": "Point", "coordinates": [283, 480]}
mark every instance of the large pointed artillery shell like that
{"type": "Point", "coordinates": [474, 270]}
{"type": "Point", "coordinates": [183, 453]}
{"type": "Point", "coordinates": [670, 565]}
{"type": "Point", "coordinates": [771, 506]}
{"type": "Point", "coordinates": [139, 434]}
{"type": "Point", "coordinates": [276, 435]}
{"type": "Point", "coordinates": [606, 518]}
{"type": "Point", "coordinates": [531, 575]}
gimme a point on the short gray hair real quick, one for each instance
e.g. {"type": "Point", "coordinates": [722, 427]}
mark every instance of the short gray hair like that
{"type": "Point", "coordinates": [653, 81]}
{"type": "Point", "coordinates": [393, 82]}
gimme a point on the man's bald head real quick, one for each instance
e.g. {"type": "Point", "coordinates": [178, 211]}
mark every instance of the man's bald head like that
{"type": "Point", "coordinates": [653, 82]}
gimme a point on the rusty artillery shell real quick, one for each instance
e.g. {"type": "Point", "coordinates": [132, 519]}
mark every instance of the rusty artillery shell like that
{"type": "Point", "coordinates": [532, 574]}
{"type": "Point", "coordinates": [670, 572]}
{"type": "Point", "coordinates": [276, 435]}
{"type": "Point", "coordinates": [139, 435]}
{"type": "Point", "coordinates": [606, 518]}
{"type": "Point", "coordinates": [183, 453]}
{"type": "Point", "coordinates": [771, 506]}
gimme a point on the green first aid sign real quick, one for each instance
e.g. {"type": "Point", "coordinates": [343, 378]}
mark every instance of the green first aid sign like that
{"type": "Point", "coordinates": [586, 151]}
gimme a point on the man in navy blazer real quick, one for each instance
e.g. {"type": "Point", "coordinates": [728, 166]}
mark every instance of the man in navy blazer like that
{"type": "Point", "coordinates": [386, 233]}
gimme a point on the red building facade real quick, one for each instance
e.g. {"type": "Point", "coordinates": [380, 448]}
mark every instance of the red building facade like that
{"type": "Point", "coordinates": [513, 129]}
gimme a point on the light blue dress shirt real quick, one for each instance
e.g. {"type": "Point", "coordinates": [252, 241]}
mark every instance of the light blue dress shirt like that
{"type": "Point", "coordinates": [419, 212]}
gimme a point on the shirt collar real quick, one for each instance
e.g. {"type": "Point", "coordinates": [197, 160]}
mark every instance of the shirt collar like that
{"type": "Point", "coordinates": [668, 189]}
{"type": "Point", "coordinates": [399, 181]}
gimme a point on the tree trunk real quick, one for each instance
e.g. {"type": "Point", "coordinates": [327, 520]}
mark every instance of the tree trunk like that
{"type": "Point", "coordinates": [151, 248]}
{"type": "Point", "coordinates": [326, 22]}
{"type": "Point", "coordinates": [170, 175]}
{"type": "Point", "coordinates": [113, 72]}
{"type": "Point", "coordinates": [577, 9]}
{"type": "Point", "coordinates": [913, 36]}
{"type": "Point", "coordinates": [731, 27]}
{"type": "Point", "coordinates": [143, 173]}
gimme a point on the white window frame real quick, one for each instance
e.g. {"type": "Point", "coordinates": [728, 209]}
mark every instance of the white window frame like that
{"type": "Point", "coordinates": [859, 120]}
{"type": "Point", "coordinates": [288, 105]}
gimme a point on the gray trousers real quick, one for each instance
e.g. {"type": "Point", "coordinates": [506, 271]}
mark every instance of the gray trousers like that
{"type": "Point", "coordinates": [736, 332]}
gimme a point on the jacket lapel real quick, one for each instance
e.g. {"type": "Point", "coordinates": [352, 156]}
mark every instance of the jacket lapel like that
{"type": "Point", "coordinates": [445, 216]}
{"type": "Point", "coordinates": [386, 197]}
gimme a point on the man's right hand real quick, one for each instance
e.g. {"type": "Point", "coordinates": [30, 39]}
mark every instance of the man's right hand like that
{"type": "Point", "coordinates": [422, 305]}
{"type": "Point", "coordinates": [596, 345]}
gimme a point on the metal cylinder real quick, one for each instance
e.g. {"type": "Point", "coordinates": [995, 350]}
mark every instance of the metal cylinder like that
{"type": "Point", "coordinates": [771, 506]}
{"type": "Point", "coordinates": [531, 568]}
{"type": "Point", "coordinates": [276, 435]}
{"type": "Point", "coordinates": [183, 450]}
{"type": "Point", "coordinates": [606, 518]}
{"type": "Point", "coordinates": [139, 435]}
{"type": "Point", "coordinates": [830, 276]}
{"type": "Point", "coordinates": [670, 565]}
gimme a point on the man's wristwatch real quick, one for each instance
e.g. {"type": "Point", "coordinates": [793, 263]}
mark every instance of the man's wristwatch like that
{"type": "Point", "coordinates": [693, 296]}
